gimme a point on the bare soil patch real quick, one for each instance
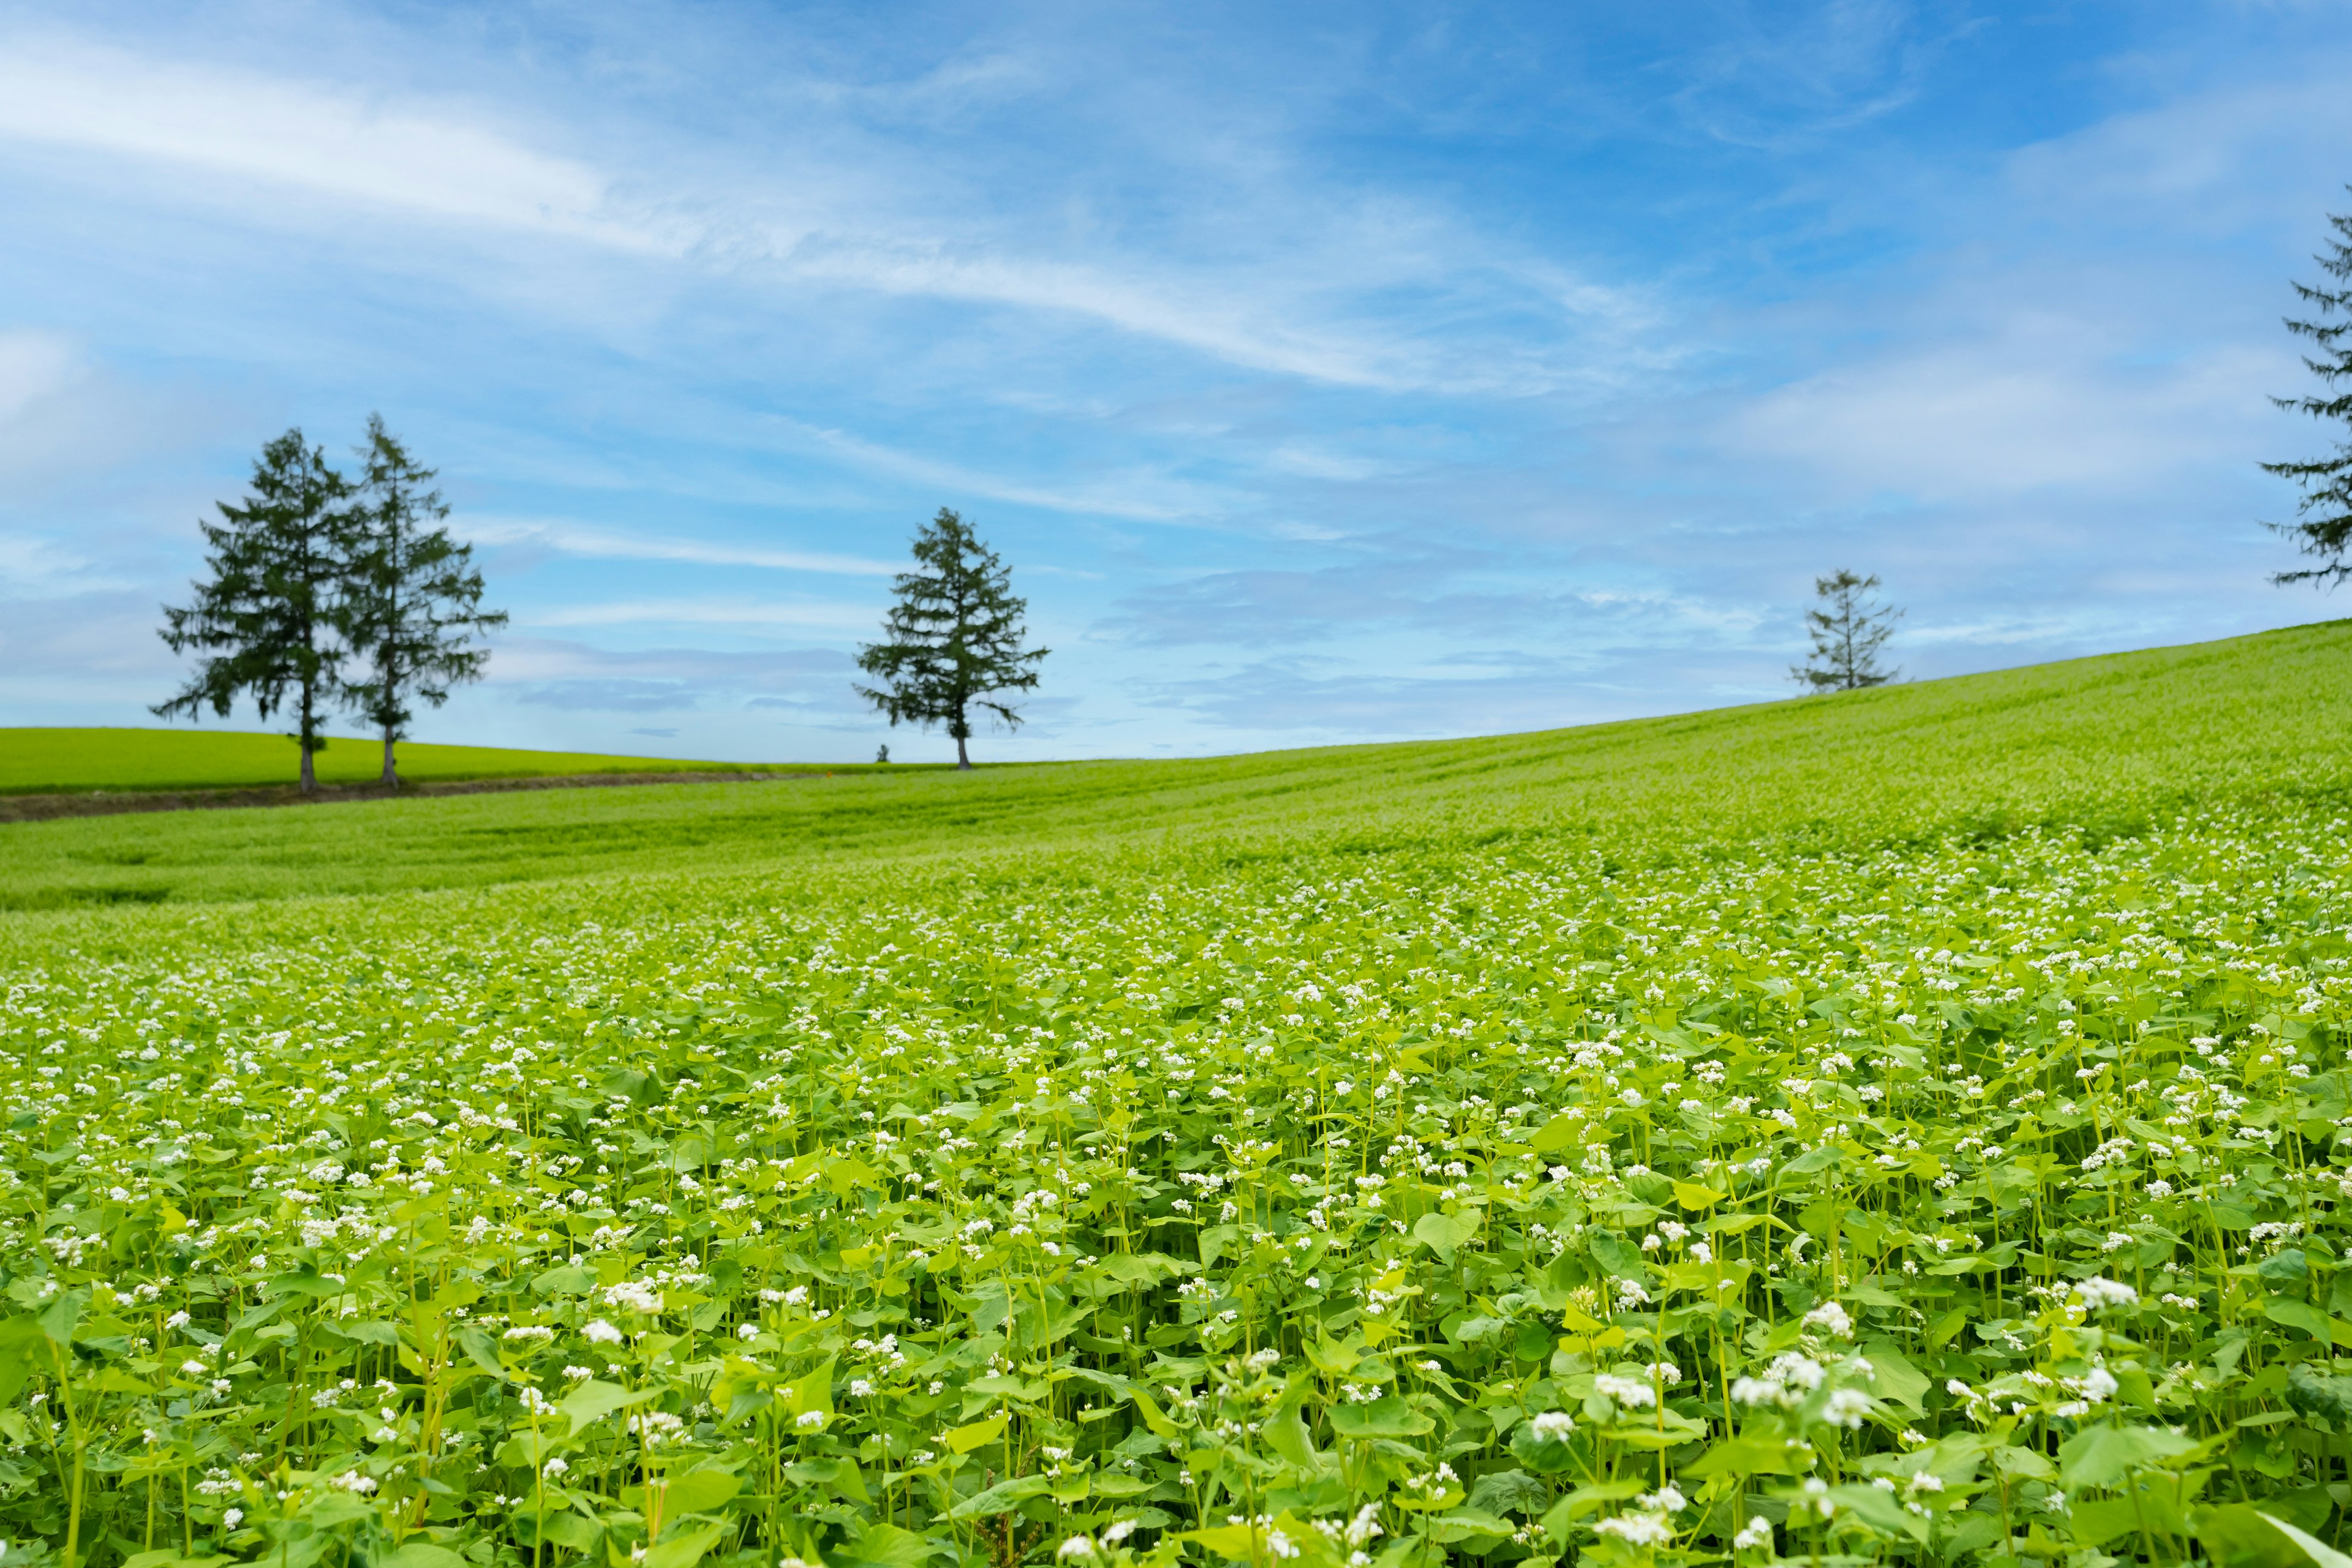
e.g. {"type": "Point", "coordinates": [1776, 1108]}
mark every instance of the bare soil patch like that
{"type": "Point", "coordinates": [111, 803]}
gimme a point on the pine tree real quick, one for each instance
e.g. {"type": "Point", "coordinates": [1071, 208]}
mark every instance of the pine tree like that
{"type": "Point", "coordinates": [267, 622]}
{"type": "Point", "coordinates": [412, 610]}
{"type": "Point", "coordinates": [954, 636]}
{"type": "Point", "coordinates": [1846, 636]}
{"type": "Point", "coordinates": [2326, 509]}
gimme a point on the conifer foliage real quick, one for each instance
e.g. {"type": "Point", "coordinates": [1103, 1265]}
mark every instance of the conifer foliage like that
{"type": "Point", "coordinates": [315, 569]}
{"type": "Point", "coordinates": [1847, 635]}
{"type": "Point", "coordinates": [267, 622]}
{"type": "Point", "coordinates": [2324, 528]}
{"type": "Point", "coordinates": [953, 638]}
{"type": "Point", "coordinates": [413, 603]}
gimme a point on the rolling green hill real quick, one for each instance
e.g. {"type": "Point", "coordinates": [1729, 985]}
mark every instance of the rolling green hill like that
{"type": "Point", "coordinates": [2101, 742]}
{"type": "Point", "coordinates": [1849, 1129]}
{"type": "Point", "coordinates": [63, 761]}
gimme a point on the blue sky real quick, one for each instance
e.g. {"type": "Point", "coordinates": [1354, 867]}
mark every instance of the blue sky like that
{"type": "Point", "coordinates": [1325, 372]}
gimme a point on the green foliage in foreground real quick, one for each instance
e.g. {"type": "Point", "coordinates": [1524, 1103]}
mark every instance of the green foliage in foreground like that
{"type": "Point", "coordinates": [2107, 744]}
{"type": "Point", "coordinates": [67, 761]}
{"type": "Point", "coordinates": [1970, 1197]}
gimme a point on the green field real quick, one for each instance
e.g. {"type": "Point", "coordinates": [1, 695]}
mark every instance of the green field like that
{"type": "Point", "coordinates": [42, 761]}
{"type": "Point", "coordinates": [1907, 1128]}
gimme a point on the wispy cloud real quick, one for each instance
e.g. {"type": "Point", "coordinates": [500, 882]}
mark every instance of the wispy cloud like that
{"type": "Point", "coordinates": [707, 612]}
{"type": "Point", "coordinates": [616, 544]}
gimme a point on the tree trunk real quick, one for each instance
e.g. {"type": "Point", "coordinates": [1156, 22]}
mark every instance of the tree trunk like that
{"type": "Point", "coordinates": [963, 759]}
{"type": "Point", "coordinates": [303, 739]}
{"type": "Point", "coordinates": [391, 776]}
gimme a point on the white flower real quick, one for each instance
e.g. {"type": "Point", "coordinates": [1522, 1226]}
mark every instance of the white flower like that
{"type": "Point", "coordinates": [1625, 1391]}
{"type": "Point", "coordinates": [1638, 1528]}
{"type": "Point", "coordinates": [2097, 1292]}
{"type": "Point", "coordinates": [1757, 1531]}
{"type": "Point", "coordinates": [1830, 1318]}
{"type": "Point", "coordinates": [553, 1467]}
{"type": "Point", "coordinates": [1847, 1407]}
{"type": "Point", "coordinates": [1553, 1424]}
{"type": "Point", "coordinates": [633, 1296]}
{"type": "Point", "coordinates": [1077, 1546]}
{"type": "Point", "coordinates": [231, 1517]}
{"type": "Point", "coordinates": [354, 1482]}
{"type": "Point", "coordinates": [2098, 1385]}
{"type": "Point", "coordinates": [597, 1332]}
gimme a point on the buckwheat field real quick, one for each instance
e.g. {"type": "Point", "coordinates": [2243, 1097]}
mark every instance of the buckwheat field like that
{"type": "Point", "coordinates": [1921, 1138]}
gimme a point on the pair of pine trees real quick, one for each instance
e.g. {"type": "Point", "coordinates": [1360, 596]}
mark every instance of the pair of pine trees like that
{"type": "Point", "coordinates": [329, 590]}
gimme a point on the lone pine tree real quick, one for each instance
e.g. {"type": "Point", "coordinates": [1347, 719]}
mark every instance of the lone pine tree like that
{"type": "Point", "coordinates": [413, 606]}
{"type": "Point", "coordinates": [2325, 531]}
{"type": "Point", "coordinates": [953, 638]}
{"type": "Point", "coordinates": [268, 620]}
{"type": "Point", "coordinates": [1846, 635]}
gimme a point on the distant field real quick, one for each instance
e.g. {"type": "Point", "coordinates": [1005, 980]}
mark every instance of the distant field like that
{"type": "Point", "coordinates": [2103, 744]}
{"type": "Point", "coordinates": [61, 762]}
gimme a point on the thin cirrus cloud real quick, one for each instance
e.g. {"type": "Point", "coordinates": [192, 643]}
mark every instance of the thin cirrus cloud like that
{"type": "Point", "coordinates": [616, 544]}
{"type": "Point", "coordinates": [446, 160]}
{"type": "Point", "coordinates": [707, 612]}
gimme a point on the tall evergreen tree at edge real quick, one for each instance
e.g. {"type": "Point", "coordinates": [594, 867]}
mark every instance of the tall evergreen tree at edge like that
{"type": "Point", "coordinates": [267, 622]}
{"type": "Point", "coordinates": [953, 638]}
{"type": "Point", "coordinates": [413, 606]}
{"type": "Point", "coordinates": [2326, 509]}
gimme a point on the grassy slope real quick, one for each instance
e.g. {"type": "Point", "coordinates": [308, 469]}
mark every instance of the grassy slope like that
{"type": "Point", "coordinates": [2100, 743]}
{"type": "Point", "coordinates": [37, 762]}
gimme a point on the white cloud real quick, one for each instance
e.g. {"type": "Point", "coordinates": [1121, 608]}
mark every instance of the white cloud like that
{"type": "Point", "coordinates": [1286, 303]}
{"type": "Point", "coordinates": [2038, 407]}
{"type": "Point", "coordinates": [613, 545]}
{"type": "Point", "coordinates": [340, 142]}
{"type": "Point", "coordinates": [711, 612]}
{"type": "Point", "coordinates": [34, 367]}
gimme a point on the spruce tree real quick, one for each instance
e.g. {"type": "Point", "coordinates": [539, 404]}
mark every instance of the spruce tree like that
{"type": "Point", "coordinates": [954, 636]}
{"type": "Point", "coordinates": [2325, 531]}
{"type": "Point", "coordinates": [268, 621]}
{"type": "Point", "coordinates": [412, 609]}
{"type": "Point", "coordinates": [1846, 635]}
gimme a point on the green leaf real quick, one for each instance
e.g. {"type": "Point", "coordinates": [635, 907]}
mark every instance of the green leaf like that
{"type": "Point", "coordinates": [481, 1350]}
{"type": "Point", "coordinates": [1752, 1454]}
{"type": "Point", "coordinates": [422, 1554]}
{"type": "Point", "coordinates": [1002, 1497]}
{"type": "Point", "coordinates": [1445, 1233]}
{"type": "Point", "coordinates": [964, 1440]}
{"type": "Point", "coordinates": [685, 1549]}
{"type": "Point", "coordinates": [2301, 1315]}
{"type": "Point", "coordinates": [813, 1393]}
{"type": "Point", "coordinates": [2318, 1551]}
{"type": "Point", "coordinates": [887, 1546]}
{"type": "Point", "coordinates": [1610, 1251]}
{"type": "Point", "coordinates": [594, 1400]}
{"type": "Point", "coordinates": [2103, 1456]}
{"type": "Point", "coordinates": [1387, 1417]}
{"type": "Point", "coordinates": [1894, 1377]}
{"type": "Point", "coordinates": [1556, 1134]}
{"type": "Point", "coordinates": [698, 1491]}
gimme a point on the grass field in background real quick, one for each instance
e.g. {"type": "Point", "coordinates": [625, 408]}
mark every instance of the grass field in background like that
{"type": "Point", "coordinates": [65, 761]}
{"type": "Point", "coordinates": [2101, 742]}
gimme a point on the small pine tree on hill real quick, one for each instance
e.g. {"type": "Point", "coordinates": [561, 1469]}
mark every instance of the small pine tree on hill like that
{"type": "Point", "coordinates": [1847, 636]}
{"type": "Point", "coordinates": [2326, 510]}
{"type": "Point", "coordinates": [953, 638]}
